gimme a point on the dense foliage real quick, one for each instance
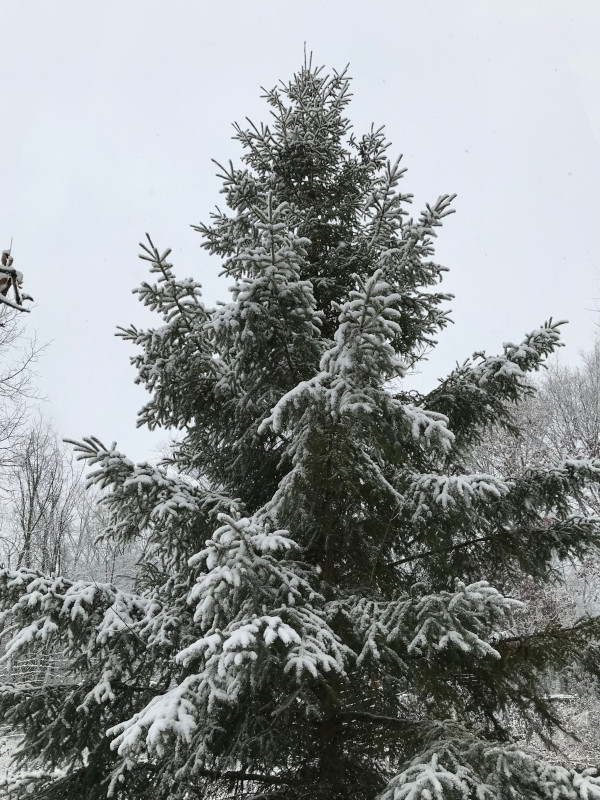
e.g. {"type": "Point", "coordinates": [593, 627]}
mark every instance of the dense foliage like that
{"type": "Point", "coordinates": [323, 608]}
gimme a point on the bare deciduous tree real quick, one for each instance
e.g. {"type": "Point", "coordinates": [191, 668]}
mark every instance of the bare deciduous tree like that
{"type": "Point", "coordinates": [91, 555]}
{"type": "Point", "coordinates": [17, 388]}
{"type": "Point", "coordinates": [51, 521]}
{"type": "Point", "coordinates": [44, 489]}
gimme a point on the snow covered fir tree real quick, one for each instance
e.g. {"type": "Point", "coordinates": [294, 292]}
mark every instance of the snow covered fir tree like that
{"type": "Point", "coordinates": [325, 607]}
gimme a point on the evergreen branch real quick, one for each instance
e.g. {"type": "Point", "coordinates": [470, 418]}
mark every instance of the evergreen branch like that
{"type": "Point", "coordinates": [379, 719]}
{"type": "Point", "coordinates": [448, 549]}
{"type": "Point", "coordinates": [566, 536]}
{"type": "Point", "coordinates": [587, 628]}
{"type": "Point", "coordinates": [228, 775]}
{"type": "Point", "coordinates": [158, 260]}
{"type": "Point", "coordinates": [240, 775]}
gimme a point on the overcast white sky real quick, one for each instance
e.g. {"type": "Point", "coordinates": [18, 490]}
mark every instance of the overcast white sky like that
{"type": "Point", "coordinates": [112, 110]}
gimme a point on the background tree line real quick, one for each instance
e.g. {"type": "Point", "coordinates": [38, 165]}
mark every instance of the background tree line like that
{"type": "Point", "coordinates": [49, 519]}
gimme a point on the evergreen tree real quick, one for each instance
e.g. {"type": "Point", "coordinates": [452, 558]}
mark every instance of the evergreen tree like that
{"type": "Point", "coordinates": [323, 607]}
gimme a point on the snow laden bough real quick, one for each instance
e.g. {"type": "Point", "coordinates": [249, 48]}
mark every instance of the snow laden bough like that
{"type": "Point", "coordinates": [11, 279]}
